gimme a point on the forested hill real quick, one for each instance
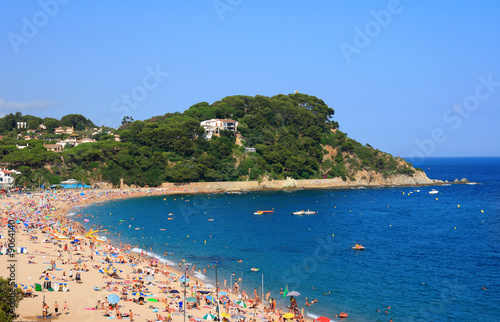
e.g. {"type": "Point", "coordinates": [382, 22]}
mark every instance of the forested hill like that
{"type": "Point", "coordinates": [293, 135]}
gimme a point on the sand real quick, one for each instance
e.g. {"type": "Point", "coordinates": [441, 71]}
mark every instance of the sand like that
{"type": "Point", "coordinates": [49, 210]}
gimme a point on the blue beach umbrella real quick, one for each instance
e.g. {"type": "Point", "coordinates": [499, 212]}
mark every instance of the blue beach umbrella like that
{"type": "Point", "coordinates": [140, 293]}
{"type": "Point", "coordinates": [113, 298]}
{"type": "Point", "coordinates": [210, 298]}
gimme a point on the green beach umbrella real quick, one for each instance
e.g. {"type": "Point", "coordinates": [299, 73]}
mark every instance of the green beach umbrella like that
{"type": "Point", "coordinates": [241, 303]}
{"type": "Point", "coordinates": [152, 300]}
{"type": "Point", "coordinates": [191, 299]}
{"type": "Point", "coordinates": [209, 317]}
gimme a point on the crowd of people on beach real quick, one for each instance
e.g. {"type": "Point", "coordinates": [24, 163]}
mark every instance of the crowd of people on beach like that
{"type": "Point", "coordinates": [76, 267]}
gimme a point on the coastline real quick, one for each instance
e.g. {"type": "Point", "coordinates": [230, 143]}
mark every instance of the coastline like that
{"type": "Point", "coordinates": [64, 202]}
{"type": "Point", "coordinates": [53, 208]}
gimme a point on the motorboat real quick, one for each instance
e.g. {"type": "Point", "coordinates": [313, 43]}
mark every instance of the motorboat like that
{"type": "Point", "coordinates": [343, 315]}
{"type": "Point", "coordinates": [303, 212]}
{"type": "Point", "coordinates": [433, 192]}
{"type": "Point", "coordinates": [260, 212]}
{"type": "Point", "coordinates": [358, 247]}
{"type": "Point", "coordinates": [254, 269]}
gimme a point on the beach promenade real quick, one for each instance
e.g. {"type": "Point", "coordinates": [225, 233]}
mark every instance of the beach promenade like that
{"type": "Point", "coordinates": [74, 272]}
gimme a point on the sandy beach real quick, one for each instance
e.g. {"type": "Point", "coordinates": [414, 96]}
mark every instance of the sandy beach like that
{"type": "Point", "coordinates": [76, 277]}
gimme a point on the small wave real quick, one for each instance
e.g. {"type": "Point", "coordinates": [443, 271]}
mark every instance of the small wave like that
{"type": "Point", "coordinates": [200, 276]}
{"type": "Point", "coordinates": [471, 183]}
{"type": "Point", "coordinates": [161, 259]}
{"type": "Point", "coordinates": [136, 250]}
{"type": "Point", "coordinates": [312, 316]}
{"type": "Point", "coordinates": [71, 214]}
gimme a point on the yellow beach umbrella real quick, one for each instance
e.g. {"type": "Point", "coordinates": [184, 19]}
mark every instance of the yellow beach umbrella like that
{"type": "Point", "coordinates": [288, 315]}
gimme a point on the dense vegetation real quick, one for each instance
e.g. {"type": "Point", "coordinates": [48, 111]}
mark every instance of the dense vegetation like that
{"type": "Point", "coordinates": [294, 136]}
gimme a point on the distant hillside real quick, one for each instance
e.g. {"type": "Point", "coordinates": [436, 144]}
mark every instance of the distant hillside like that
{"type": "Point", "coordinates": [293, 135]}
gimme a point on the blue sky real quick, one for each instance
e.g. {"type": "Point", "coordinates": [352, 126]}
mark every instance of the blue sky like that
{"type": "Point", "coordinates": [410, 78]}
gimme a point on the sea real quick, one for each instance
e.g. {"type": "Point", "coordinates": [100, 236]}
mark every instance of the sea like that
{"type": "Point", "coordinates": [427, 257]}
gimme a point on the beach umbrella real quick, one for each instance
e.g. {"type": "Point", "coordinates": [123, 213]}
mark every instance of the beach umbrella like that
{"type": "Point", "coordinates": [137, 278]}
{"type": "Point", "coordinates": [174, 291]}
{"type": "Point", "coordinates": [204, 292]}
{"type": "Point", "coordinates": [241, 304]}
{"type": "Point", "coordinates": [113, 298]}
{"type": "Point", "coordinates": [293, 293]}
{"type": "Point", "coordinates": [152, 300]}
{"type": "Point", "coordinates": [191, 299]}
{"type": "Point", "coordinates": [222, 293]}
{"type": "Point", "coordinates": [210, 298]}
{"type": "Point", "coordinates": [149, 278]}
{"type": "Point", "coordinates": [140, 293]}
{"type": "Point", "coordinates": [225, 315]}
{"type": "Point", "coordinates": [323, 319]}
{"type": "Point", "coordinates": [209, 317]}
{"type": "Point", "coordinates": [288, 315]}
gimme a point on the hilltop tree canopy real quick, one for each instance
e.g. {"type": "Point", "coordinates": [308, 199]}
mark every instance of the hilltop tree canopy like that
{"type": "Point", "coordinates": [294, 136]}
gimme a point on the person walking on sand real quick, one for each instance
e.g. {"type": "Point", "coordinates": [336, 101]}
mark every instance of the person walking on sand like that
{"type": "Point", "coordinates": [65, 308]}
{"type": "Point", "coordinates": [56, 308]}
{"type": "Point", "coordinates": [131, 315]}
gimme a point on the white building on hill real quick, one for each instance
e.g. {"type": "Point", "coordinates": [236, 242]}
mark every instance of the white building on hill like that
{"type": "Point", "coordinates": [6, 178]}
{"type": "Point", "coordinates": [214, 126]}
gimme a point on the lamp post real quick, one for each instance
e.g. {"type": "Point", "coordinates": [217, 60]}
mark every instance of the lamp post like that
{"type": "Point", "coordinates": [217, 290]}
{"type": "Point", "coordinates": [231, 282]}
{"type": "Point", "coordinates": [185, 282]}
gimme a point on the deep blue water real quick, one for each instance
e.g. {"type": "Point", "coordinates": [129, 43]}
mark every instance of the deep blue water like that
{"type": "Point", "coordinates": [427, 258]}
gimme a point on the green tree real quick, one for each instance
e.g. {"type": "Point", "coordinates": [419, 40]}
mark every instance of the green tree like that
{"type": "Point", "coordinates": [9, 300]}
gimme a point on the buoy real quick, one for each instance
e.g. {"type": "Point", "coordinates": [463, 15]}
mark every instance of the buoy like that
{"type": "Point", "coordinates": [458, 206]}
{"type": "Point", "coordinates": [436, 198]}
{"type": "Point", "coordinates": [333, 235]}
{"type": "Point", "coordinates": [455, 227]}
{"type": "Point", "coordinates": [482, 211]}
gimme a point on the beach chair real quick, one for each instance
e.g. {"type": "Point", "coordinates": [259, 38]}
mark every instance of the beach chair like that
{"type": "Point", "coordinates": [38, 287]}
{"type": "Point", "coordinates": [65, 287]}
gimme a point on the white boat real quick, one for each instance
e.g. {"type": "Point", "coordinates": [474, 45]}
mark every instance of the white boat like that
{"type": "Point", "coordinates": [433, 192]}
{"type": "Point", "coordinates": [303, 212]}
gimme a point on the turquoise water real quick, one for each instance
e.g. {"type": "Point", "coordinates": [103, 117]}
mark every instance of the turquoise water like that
{"type": "Point", "coordinates": [74, 186]}
{"type": "Point", "coordinates": [428, 259]}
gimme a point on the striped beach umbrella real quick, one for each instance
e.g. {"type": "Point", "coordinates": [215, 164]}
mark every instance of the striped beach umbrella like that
{"type": "Point", "coordinates": [209, 317]}
{"type": "Point", "coordinates": [241, 304]}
